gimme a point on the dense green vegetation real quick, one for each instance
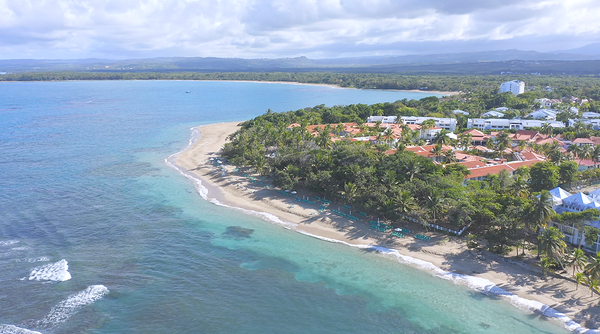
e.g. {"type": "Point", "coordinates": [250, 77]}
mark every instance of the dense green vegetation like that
{"type": "Point", "coordinates": [507, 211]}
{"type": "Point", "coordinates": [563, 86]}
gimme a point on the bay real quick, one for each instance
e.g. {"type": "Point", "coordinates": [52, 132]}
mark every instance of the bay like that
{"type": "Point", "coordinates": [83, 179]}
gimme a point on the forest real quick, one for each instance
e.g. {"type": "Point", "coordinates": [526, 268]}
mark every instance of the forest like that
{"type": "Point", "coordinates": [562, 85]}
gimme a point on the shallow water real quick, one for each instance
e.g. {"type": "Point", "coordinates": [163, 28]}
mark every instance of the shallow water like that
{"type": "Point", "coordinates": [99, 235]}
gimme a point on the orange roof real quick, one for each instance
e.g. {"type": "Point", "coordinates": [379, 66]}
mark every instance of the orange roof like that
{"type": "Point", "coordinates": [530, 155]}
{"type": "Point", "coordinates": [509, 166]}
{"type": "Point", "coordinates": [425, 151]}
{"type": "Point", "coordinates": [528, 135]}
{"type": "Point", "coordinates": [586, 162]}
{"type": "Point", "coordinates": [582, 141]}
{"type": "Point", "coordinates": [595, 140]}
{"type": "Point", "coordinates": [472, 164]}
{"type": "Point", "coordinates": [549, 141]}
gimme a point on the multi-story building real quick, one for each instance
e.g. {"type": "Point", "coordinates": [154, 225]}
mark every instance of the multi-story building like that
{"type": "Point", "coordinates": [504, 124]}
{"type": "Point", "coordinates": [516, 87]}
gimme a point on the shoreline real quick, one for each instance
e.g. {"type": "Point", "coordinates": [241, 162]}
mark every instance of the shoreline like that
{"type": "Point", "coordinates": [271, 82]}
{"type": "Point", "coordinates": [443, 256]}
{"type": "Point", "coordinates": [445, 93]}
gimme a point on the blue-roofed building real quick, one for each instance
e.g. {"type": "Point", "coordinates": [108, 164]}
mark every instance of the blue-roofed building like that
{"type": "Point", "coordinates": [492, 114]}
{"type": "Point", "coordinates": [567, 202]}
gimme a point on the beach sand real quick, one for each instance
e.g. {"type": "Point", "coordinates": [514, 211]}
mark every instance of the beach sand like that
{"type": "Point", "coordinates": [448, 253]}
{"type": "Point", "coordinates": [444, 93]}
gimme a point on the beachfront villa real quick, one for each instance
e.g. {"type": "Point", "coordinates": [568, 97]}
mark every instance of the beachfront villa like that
{"type": "Point", "coordinates": [579, 202]}
{"type": "Point", "coordinates": [444, 123]}
{"type": "Point", "coordinates": [505, 124]}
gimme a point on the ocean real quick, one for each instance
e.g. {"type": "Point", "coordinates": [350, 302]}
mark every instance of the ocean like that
{"type": "Point", "coordinates": [99, 235]}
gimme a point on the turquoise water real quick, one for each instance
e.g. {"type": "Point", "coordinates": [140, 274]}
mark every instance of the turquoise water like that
{"type": "Point", "coordinates": [83, 179]}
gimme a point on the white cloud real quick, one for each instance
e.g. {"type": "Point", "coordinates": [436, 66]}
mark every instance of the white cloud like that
{"type": "Point", "coordinates": [281, 28]}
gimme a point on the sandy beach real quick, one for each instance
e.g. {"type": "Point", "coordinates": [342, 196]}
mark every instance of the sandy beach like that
{"type": "Point", "coordinates": [445, 93]}
{"type": "Point", "coordinates": [450, 254]}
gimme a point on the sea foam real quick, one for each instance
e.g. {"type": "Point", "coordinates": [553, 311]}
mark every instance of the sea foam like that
{"type": "Point", "coordinates": [8, 243]}
{"type": "Point", "coordinates": [58, 272]}
{"type": "Point", "coordinates": [476, 283]}
{"type": "Point", "coordinates": [68, 307]}
{"type": "Point", "coordinates": [11, 329]}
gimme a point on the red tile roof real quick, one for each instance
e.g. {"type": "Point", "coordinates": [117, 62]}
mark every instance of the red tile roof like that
{"type": "Point", "coordinates": [582, 141]}
{"type": "Point", "coordinates": [494, 170]}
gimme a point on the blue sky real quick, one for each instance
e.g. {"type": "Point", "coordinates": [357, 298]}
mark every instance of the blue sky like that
{"type": "Point", "coordinates": [279, 28]}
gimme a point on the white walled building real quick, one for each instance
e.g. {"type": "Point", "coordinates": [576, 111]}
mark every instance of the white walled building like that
{"type": "Point", "coordinates": [382, 119]}
{"type": "Point", "coordinates": [516, 87]}
{"type": "Point", "coordinates": [444, 123]}
{"type": "Point", "coordinates": [504, 124]}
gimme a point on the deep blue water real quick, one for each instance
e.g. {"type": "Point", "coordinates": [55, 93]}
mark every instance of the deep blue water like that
{"type": "Point", "coordinates": [83, 179]}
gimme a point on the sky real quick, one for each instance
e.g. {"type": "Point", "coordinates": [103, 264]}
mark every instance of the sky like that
{"type": "Point", "coordinates": [121, 29]}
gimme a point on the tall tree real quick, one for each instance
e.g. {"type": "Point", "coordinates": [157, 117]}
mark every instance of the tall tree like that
{"type": "Point", "coordinates": [543, 176]}
{"type": "Point", "coordinates": [578, 260]}
{"type": "Point", "coordinates": [553, 245]}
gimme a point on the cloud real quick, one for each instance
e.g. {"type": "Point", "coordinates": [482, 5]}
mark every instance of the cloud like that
{"type": "Point", "coordinates": [287, 28]}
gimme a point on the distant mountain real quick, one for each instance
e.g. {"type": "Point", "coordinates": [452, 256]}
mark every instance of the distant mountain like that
{"type": "Point", "coordinates": [590, 49]}
{"type": "Point", "coordinates": [213, 64]}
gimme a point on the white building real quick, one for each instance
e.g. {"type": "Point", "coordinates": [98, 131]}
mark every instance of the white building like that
{"type": "Point", "coordinates": [444, 123]}
{"type": "Point", "coordinates": [492, 113]}
{"type": "Point", "coordinates": [594, 122]}
{"type": "Point", "coordinates": [382, 119]}
{"type": "Point", "coordinates": [504, 124]}
{"type": "Point", "coordinates": [548, 103]}
{"type": "Point", "coordinates": [516, 87]}
{"type": "Point", "coordinates": [548, 114]}
{"type": "Point", "coordinates": [566, 202]}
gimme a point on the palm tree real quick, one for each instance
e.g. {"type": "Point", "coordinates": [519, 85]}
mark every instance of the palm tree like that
{"type": "Point", "coordinates": [350, 192]}
{"type": "Point", "coordinates": [547, 129]}
{"type": "Point", "coordinates": [442, 138]}
{"type": "Point", "coordinates": [578, 260]}
{"type": "Point", "coordinates": [387, 135]}
{"type": "Point", "coordinates": [575, 150]}
{"type": "Point", "coordinates": [404, 202]}
{"type": "Point", "coordinates": [593, 285]}
{"type": "Point", "coordinates": [579, 279]}
{"type": "Point", "coordinates": [592, 269]}
{"type": "Point", "coordinates": [540, 212]}
{"type": "Point", "coordinates": [596, 155]}
{"type": "Point", "coordinates": [414, 167]}
{"type": "Point", "coordinates": [449, 156]}
{"type": "Point", "coordinates": [435, 202]}
{"type": "Point", "coordinates": [465, 140]}
{"type": "Point", "coordinates": [437, 151]}
{"type": "Point", "coordinates": [586, 152]}
{"type": "Point", "coordinates": [519, 186]}
{"type": "Point", "coordinates": [503, 140]}
{"type": "Point", "coordinates": [552, 244]}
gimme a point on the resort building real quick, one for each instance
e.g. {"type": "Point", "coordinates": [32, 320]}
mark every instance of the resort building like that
{"type": "Point", "coordinates": [503, 124]}
{"type": "Point", "coordinates": [594, 122]}
{"type": "Point", "coordinates": [382, 119]}
{"type": "Point", "coordinates": [444, 123]}
{"type": "Point", "coordinates": [478, 138]}
{"type": "Point", "coordinates": [492, 113]}
{"type": "Point", "coordinates": [479, 173]}
{"type": "Point", "coordinates": [548, 103]}
{"type": "Point", "coordinates": [567, 202]}
{"type": "Point", "coordinates": [516, 87]}
{"type": "Point", "coordinates": [547, 114]}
